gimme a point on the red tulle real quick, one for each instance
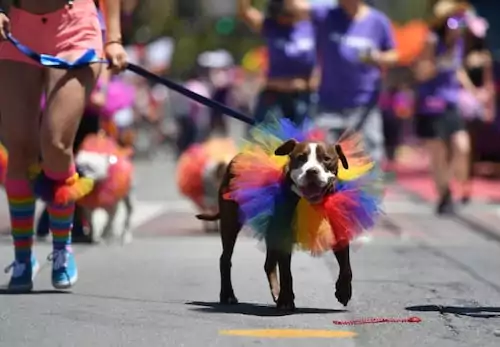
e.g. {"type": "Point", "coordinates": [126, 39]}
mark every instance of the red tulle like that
{"type": "Point", "coordinates": [317, 135]}
{"type": "Point", "coordinates": [338, 209]}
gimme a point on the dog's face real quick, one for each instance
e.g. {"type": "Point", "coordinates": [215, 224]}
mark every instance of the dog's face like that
{"type": "Point", "coordinates": [313, 167]}
{"type": "Point", "coordinates": [94, 165]}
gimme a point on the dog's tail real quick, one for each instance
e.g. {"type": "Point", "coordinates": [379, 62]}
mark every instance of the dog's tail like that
{"type": "Point", "coordinates": [208, 217]}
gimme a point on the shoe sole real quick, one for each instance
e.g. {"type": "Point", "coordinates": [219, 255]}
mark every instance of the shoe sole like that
{"type": "Point", "coordinates": [28, 287]}
{"type": "Point", "coordinates": [66, 285]}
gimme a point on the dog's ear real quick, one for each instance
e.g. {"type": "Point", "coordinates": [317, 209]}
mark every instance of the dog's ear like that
{"type": "Point", "coordinates": [220, 170]}
{"type": "Point", "coordinates": [342, 157]}
{"type": "Point", "coordinates": [286, 148]}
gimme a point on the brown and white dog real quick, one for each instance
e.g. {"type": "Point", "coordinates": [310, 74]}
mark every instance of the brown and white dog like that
{"type": "Point", "coordinates": [310, 173]}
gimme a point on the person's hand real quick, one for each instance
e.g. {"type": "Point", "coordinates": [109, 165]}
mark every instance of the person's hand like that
{"type": "Point", "coordinates": [117, 56]}
{"type": "Point", "coordinates": [370, 56]}
{"type": "Point", "coordinates": [4, 26]}
{"type": "Point", "coordinates": [424, 70]}
{"type": "Point", "coordinates": [489, 115]}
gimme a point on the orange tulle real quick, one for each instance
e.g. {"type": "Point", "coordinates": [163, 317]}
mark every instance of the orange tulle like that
{"type": "Point", "coordinates": [313, 232]}
{"type": "Point", "coordinates": [193, 162]}
{"type": "Point", "coordinates": [353, 147]}
{"type": "Point", "coordinates": [4, 159]}
{"type": "Point", "coordinates": [119, 180]}
{"type": "Point", "coordinates": [74, 189]}
{"type": "Point", "coordinates": [190, 174]}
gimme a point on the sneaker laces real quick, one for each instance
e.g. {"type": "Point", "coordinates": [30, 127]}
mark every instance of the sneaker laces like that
{"type": "Point", "coordinates": [59, 258]}
{"type": "Point", "coordinates": [17, 268]}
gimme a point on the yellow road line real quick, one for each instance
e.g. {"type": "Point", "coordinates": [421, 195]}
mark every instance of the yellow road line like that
{"type": "Point", "coordinates": [289, 333]}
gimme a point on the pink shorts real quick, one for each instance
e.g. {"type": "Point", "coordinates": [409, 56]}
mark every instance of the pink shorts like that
{"type": "Point", "coordinates": [66, 33]}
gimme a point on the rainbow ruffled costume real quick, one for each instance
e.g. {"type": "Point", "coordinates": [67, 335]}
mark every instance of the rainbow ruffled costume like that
{"type": "Point", "coordinates": [193, 163]}
{"type": "Point", "coordinates": [284, 220]}
{"type": "Point", "coordinates": [120, 173]}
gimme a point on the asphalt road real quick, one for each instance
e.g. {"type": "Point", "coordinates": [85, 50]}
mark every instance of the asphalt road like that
{"type": "Point", "coordinates": [162, 289]}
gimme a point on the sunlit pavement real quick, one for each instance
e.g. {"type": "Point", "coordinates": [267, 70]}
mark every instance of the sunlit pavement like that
{"type": "Point", "coordinates": [162, 290]}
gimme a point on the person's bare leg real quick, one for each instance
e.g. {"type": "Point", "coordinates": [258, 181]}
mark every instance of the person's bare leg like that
{"type": "Point", "coordinates": [440, 168]}
{"type": "Point", "coordinates": [461, 152]}
{"type": "Point", "coordinates": [68, 92]}
{"type": "Point", "coordinates": [20, 95]}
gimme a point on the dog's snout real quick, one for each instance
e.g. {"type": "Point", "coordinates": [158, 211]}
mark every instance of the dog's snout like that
{"type": "Point", "coordinates": [312, 172]}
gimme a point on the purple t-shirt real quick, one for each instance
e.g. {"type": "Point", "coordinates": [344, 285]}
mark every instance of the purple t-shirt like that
{"type": "Point", "coordinates": [435, 94]}
{"type": "Point", "coordinates": [346, 81]}
{"type": "Point", "coordinates": [291, 49]}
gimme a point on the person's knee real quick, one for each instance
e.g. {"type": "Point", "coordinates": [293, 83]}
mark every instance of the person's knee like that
{"type": "Point", "coordinates": [55, 150]}
{"type": "Point", "coordinates": [23, 153]}
{"type": "Point", "coordinates": [461, 143]}
{"type": "Point", "coordinates": [437, 151]}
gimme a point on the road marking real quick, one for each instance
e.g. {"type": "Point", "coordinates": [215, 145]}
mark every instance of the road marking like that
{"type": "Point", "coordinates": [289, 333]}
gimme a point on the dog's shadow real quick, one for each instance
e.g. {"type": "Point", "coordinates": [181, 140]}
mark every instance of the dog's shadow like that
{"type": "Point", "coordinates": [250, 309]}
{"type": "Point", "coordinates": [473, 312]}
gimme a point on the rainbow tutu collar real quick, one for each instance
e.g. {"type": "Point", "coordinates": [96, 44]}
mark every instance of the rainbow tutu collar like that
{"type": "Point", "coordinates": [285, 221]}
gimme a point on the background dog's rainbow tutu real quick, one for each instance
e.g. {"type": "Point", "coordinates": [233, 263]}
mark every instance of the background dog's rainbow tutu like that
{"type": "Point", "coordinates": [193, 162]}
{"type": "Point", "coordinates": [279, 216]}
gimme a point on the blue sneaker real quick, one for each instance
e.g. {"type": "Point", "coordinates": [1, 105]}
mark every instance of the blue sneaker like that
{"type": "Point", "coordinates": [23, 274]}
{"type": "Point", "coordinates": [64, 271]}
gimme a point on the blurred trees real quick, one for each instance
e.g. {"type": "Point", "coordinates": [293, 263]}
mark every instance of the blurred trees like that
{"type": "Point", "coordinates": [192, 31]}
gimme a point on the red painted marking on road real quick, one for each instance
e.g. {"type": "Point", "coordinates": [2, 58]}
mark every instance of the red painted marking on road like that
{"type": "Point", "coordinates": [378, 320]}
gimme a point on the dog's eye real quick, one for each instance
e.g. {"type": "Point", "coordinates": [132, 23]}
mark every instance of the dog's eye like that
{"type": "Point", "coordinates": [327, 158]}
{"type": "Point", "coordinates": [302, 158]}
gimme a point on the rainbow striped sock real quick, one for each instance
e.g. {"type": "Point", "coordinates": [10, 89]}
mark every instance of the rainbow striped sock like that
{"type": "Point", "coordinates": [61, 223]}
{"type": "Point", "coordinates": [61, 215]}
{"type": "Point", "coordinates": [22, 214]}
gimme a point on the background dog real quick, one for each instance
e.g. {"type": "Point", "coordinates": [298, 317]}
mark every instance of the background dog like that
{"type": "Point", "coordinates": [112, 171]}
{"type": "Point", "coordinates": [200, 171]}
{"type": "Point", "coordinates": [311, 173]}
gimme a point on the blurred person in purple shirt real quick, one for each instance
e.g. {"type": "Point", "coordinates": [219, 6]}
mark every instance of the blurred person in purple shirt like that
{"type": "Point", "coordinates": [438, 122]}
{"type": "Point", "coordinates": [290, 81]}
{"type": "Point", "coordinates": [477, 99]}
{"type": "Point", "coordinates": [354, 41]}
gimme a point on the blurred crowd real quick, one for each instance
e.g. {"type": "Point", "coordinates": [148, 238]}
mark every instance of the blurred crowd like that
{"type": "Point", "coordinates": [149, 116]}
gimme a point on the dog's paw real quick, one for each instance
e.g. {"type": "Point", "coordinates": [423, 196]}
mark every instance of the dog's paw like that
{"type": "Point", "coordinates": [285, 304]}
{"type": "Point", "coordinates": [127, 238]}
{"type": "Point", "coordinates": [343, 289]}
{"type": "Point", "coordinates": [228, 299]}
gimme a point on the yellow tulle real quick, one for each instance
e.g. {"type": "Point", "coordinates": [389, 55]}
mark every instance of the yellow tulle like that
{"type": "Point", "coordinates": [313, 232]}
{"type": "Point", "coordinates": [354, 172]}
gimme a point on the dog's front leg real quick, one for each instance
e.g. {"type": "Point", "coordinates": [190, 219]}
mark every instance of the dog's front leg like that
{"type": "Point", "coordinates": [343, 287]}
{"type": "Point", "coordinates": [127, 227]}
{"type": "Point", "coordinates": [88, 225]}
{"type": "Point", "coordinates": [286, 299]}
{"type": "Point", "coordinates": [108, 231]}
{"type": "Point", "coordinates": [271, 269]}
